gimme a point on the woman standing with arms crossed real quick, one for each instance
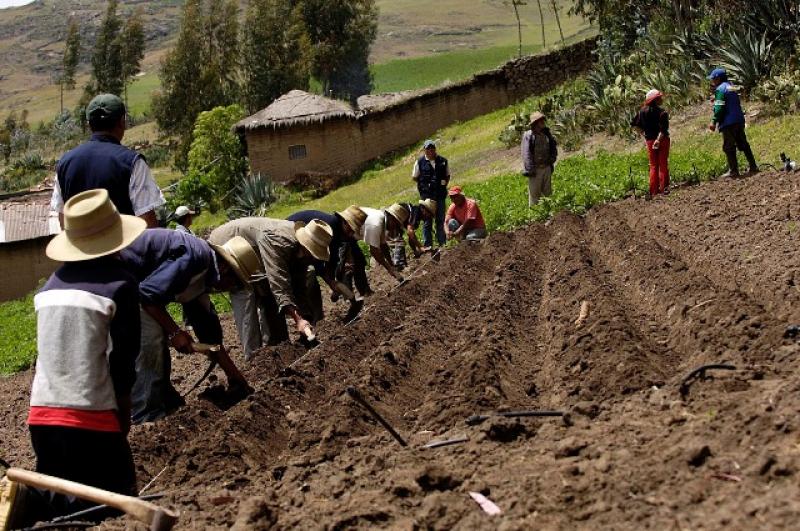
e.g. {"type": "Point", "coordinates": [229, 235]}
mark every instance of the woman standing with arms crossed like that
{"type": "Point", "coordinates": [653, 122]}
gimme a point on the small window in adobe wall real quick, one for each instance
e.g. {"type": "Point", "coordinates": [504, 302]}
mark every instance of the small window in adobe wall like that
{"type": "Point", "coordinates": [297, 152]}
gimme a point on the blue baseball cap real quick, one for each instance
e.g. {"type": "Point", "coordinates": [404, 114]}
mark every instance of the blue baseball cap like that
{"type": "Point", "coordinates": [717, 72]}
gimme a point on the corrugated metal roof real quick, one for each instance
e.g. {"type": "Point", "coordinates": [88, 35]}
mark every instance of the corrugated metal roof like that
{"type": "Point", "coordinates": [27, 220]}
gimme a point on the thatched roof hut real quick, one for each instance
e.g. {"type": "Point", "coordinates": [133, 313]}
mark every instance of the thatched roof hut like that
{"type": "Point", "coordinates": [297, 107]}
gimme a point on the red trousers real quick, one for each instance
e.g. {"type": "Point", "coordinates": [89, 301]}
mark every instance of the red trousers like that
{"type": "Point", "coordinates": [659, 166]}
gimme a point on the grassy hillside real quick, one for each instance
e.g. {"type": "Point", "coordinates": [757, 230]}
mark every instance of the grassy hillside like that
{"type": "Point", "coordinates": [461, 38]}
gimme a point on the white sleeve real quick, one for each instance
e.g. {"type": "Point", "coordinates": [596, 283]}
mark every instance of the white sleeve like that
{"type": "Point", "coordinates": [415, 171]}
{"type": "Point", "coordinates": [143, 190]}
{"type": "Point", "coordinates": [56, 201]}
{"type": "Point", "coordinates": [373, 230]}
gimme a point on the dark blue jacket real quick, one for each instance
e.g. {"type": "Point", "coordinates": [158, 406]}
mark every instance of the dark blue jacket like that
{"type": "Point", "coordinates": [432, 182]}
{"type": "Point", "coordinates": [102, 162]}
{"type": "Point", "coordinates": [165, 261]}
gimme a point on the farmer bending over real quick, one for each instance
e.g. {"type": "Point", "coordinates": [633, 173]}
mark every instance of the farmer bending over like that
{"type": "Point", "coordinates": [172, 266]}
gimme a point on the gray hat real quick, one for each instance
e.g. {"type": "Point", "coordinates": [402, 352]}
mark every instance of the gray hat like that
{"type": "Point", "coordinates": [105, 106]}
{"type": "Point", "coordinates": [428, 144]}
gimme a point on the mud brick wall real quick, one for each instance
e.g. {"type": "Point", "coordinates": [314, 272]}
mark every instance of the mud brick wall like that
{"type": "Point", "coordinates": [24, 265]}
{"type": "Point", "coordinates": [347, 143]}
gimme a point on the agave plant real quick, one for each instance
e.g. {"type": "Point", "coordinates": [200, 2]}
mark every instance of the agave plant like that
{"type": "Point", "coordinates": [746, 57]}
{"type": "Point", "coordinates": [780, 19]}
{"type": "Point", "coordinates": [254, 195]}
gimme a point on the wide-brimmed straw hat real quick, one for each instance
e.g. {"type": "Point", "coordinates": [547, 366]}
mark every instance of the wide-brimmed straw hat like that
{"type": "Point", "coordinates": [93, 228]}
{"type": "Point", "coordinates": [244, 261]}
{"type": "Point", "coordinates": [353, 216]}
{"type": "Point", "coordinates": [429, 205]}
{"type": "Point", "coordinates": [316, 237]}
{"type": "Point", "coordinates": [398, 212]}
{"type": "Point", "coordinates": [535, 117]}
{"type": "Point", "coordinates": [652, 95]}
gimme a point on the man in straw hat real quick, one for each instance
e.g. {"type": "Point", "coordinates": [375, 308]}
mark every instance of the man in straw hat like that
{"type": "Point", "coordinates": [539, 154]}
{"type": "Point", "coordinates": [87, 341]}
{"type": "Point", "coordinates": [103, 162]}
{"type": "Point", "coordinates": [173, 266]}
{"type": "Point", "coordinates": [345, 255]}
{"type": "Point", "coordinates": [285, 249]}
{"type": "Point", "coordinates": [431, 172]}
{"type": "Point", "coordinates": [379, 226]}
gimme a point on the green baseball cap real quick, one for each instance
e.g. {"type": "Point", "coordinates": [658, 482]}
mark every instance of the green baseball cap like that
{"type": "Point", "coordinates": [105, 106]}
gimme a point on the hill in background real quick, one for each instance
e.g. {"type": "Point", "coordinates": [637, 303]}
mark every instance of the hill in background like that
{"type": "Point", "coordinates": [31, 43]}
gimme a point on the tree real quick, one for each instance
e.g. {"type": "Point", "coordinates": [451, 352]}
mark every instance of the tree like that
{"type": "Point", "coordinates": [107, 56]}
{"type": "Point", "coordinates": [69, 62]}
{"type": "Point", "coordinates": [541, 21]}
{"type": "Point", "coordinates": [200, 72]}
{"type": "Point", "coordinates": [341, 33]}
{"type": "Point", "coordinates": [558, 21]}
{"type": "Point", "coordinates": [131, 41]}
{"type": "Point", "coordinates": [216, 161]}
{"type": "Point", "coordinates": [276, 52]}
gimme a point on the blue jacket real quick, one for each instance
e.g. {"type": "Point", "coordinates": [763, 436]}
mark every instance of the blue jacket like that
{"type": "Point", "coordinates": [166, 262]}
{"type": "Point", "coordinates": [727, 106]}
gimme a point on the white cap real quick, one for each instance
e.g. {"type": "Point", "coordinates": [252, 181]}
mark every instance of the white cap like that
{"type": "Point", "coordinates": [183, 211]}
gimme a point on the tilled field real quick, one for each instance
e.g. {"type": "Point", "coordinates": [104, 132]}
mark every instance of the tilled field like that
{"type": "Point", "coordinates": [710, 274]}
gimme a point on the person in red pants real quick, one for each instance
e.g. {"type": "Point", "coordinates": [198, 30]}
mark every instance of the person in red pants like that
{"type": "Point", "coordinates": [653, 122]}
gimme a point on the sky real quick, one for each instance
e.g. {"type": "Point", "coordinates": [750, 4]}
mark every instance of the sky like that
{"type": "Point", "coordinates": [9, 3]}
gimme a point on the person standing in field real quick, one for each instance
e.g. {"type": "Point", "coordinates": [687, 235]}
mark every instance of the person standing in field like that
{"type": "Point", "coordinates": [729, 120]}
{"type": "Point", "coordinates": [103, 162]}
{"type": "Point", "coordinates": [87, 339]}
{"type": "Point", "coordinates": [539, 154]}
{"type": "Point", "coordinates": [653, 122]}
{"type": "Point", "coordinates": [432, 175]}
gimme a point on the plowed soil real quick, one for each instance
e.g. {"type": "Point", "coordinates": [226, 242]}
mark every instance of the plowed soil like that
{"type": "Point", "coordinates": [710, 274]}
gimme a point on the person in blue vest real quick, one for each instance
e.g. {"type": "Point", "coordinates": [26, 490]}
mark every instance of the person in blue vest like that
{"type": "Point", "coordinates": [103, 162]}
{"type": "Point", "coordinates": [728, 119]}
{"type": "Point", "coordinates": [432, 175]}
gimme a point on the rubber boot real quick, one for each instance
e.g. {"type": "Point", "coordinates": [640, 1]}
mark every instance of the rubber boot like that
{"type": "Point", "coordinates": [733, 164]}
{"type": "Point", "coordinates": [751, 160]}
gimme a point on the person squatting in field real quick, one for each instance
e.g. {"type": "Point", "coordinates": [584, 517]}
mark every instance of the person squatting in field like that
{"type": "Point", "coordinates": [652, 121]}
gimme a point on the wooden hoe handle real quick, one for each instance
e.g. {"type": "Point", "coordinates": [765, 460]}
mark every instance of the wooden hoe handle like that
{"type": "Point", "coordinates": [157, 518]}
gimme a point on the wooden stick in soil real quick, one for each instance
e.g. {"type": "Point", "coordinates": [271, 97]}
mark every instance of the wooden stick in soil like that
{"type": "Point", "coordinates": [355, 395]}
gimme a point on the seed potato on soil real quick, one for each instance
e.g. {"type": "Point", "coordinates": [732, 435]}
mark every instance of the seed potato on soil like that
{"type": "Point", "coordinates": [600, 317]}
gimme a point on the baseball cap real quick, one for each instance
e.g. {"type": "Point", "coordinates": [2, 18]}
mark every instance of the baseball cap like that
{"type": "Point", "coordinates": [717, 72]}
{"type": "Point", "coordinates": [182, 211]}
{"type": "Point", "coordinates": [428, 144]}
{"type": "Point", "coordinates": [105, 106]}
{"type": "Point", "coordinates": [456, 190]}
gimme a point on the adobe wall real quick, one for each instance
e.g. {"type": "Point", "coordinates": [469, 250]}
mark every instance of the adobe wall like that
{"type": "Point", "coordinates": [345, 144]}
{"type": "Point", "coordinates": [24, 264]}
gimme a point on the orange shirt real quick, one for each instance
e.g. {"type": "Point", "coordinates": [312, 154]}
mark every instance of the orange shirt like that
{"type": "Point", "coordinates": [468, 210]}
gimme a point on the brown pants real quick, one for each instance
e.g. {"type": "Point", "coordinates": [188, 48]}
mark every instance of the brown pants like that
{"type": "Point", "coordinates": [539, 184]}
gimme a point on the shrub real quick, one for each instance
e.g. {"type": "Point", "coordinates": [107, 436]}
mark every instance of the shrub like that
{"type": "Point", "coordinates": [780, 94]}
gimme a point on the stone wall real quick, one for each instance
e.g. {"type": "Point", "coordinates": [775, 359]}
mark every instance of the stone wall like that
{"type": "Point", "coordinates": [24, 265]}
{"type": "Point", "coordinates": [346, 144]}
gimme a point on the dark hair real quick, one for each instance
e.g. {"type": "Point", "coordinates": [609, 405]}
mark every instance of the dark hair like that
{"type": "Point", "coordinates": [105, 122]}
